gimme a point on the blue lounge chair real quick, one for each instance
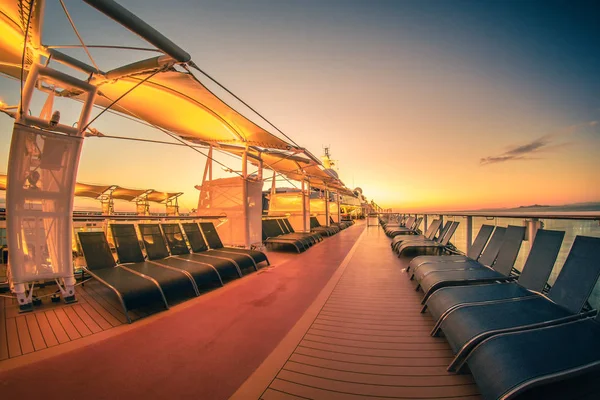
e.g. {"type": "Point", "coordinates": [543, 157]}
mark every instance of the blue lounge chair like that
{"type": "Point", "coordinates": [214, 242]}
{"type": "Point", "coordinates": [412, 248]}
{"type": "Point", "coordinates": [432, 230]}
{"type": "Point", "coordinates": [133, 289]}
{"type": "Point", "coordinates": [553, 362]}
{"type": "Point", "coordinates": [472, 272]}
{"type": "Point", "coordinates": [536, 271]}
{"type": "Point", "coordinates": [467, 326]}
{"type": "Point", "coordinates": [228, 269]}
{"type": "Point", "coordinates": [174, 283]}
{"type": "Point", "coordinates": [205, 275]}
{"type": "Point", "coordinates": [407, 230]}
{"type": "Point", "coordinates": [473, 254]}
{"type": "Point", "coordinates": [487, 258]}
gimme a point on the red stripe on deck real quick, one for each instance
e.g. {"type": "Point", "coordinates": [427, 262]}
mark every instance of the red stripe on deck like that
{"type": "Point", "coordinates": [203, 351]}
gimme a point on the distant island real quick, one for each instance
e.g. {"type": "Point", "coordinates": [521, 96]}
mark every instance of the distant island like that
{"type": "Point", "coordinates": [587, 206]}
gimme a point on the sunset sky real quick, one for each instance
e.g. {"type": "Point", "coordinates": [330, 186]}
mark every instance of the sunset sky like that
{"type": "Point", "coordinates": [426, 105]}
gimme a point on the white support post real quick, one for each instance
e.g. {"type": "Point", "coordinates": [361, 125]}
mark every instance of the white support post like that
{"type": "Point", "coordinates": [532, 227]}
{"type": "Point", "coordinates": [328, 223]}
{"type": "Point", "coordinates": [303, 206]}
{"type": "Point", "coordinates": [339, 211]}
{"type": "Point", "coordinates": [245, 197]}
{"type": "Point", "coordinates": [469, 234]}
{"type": "Point", "coordinates": [42, 167]}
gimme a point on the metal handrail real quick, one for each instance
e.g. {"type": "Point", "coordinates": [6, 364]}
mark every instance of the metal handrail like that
{"type": "Point", "coordinates": [575, 215]}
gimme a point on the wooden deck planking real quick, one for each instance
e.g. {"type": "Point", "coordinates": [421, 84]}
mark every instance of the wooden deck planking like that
{"type": "Point", "coordinates": [12, 336]}
{"type": "Point", "coordinates": [24, 336]}
{"type": "Point", "coordinates": [57, 328]}
{"type": "Point", "coordinates": [108, 304]}
{"type": "Point", "coordinates": [87, 319]}
{"type": "Point", "coordinates": [36, 333]}
{"type": "Point", "coordinates": [46, 329]}
{"type": "Point", "coordinates": [66, 323]}
{"type": "Point", "coordinates": [77, 322]}
{"type": "Point", "coordinates": [108, 316]}
{"type": "Point", "coordinates": [369, 339]}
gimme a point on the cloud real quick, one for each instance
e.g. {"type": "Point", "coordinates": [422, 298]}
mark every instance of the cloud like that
{"type": "Point", "coordinates": [522, 152]}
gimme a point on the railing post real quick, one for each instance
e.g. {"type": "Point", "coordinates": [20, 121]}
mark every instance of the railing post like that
{"type": "Point", "coordinates": [424, 223]}
{"type": "Point", "coordinates": [533, 225]}
{"type": "Point", "coordinates": [469, 234]}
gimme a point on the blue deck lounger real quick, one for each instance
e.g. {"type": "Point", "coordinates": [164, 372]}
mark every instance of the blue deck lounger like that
{"type": "Point", "coordinates": [554, 362]}
{"type": "Point", "coordinates": [469, 325]}
{"type": "Point", "coordinates": [536, 271]}
{"type": "Point", "coordinates": [487, 258]}
{"type": "Point", "coordinates": [472, 272]}
{"type": "Point", "coordinates": [473, 254]}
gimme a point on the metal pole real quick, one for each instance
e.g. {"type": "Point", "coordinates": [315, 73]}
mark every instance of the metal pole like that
{"type": "Point", "coordinates": [136, 25]}
{"type": "Point", "coordinates": [469, 234]}
{"type": "Point", "coordinates": [245, 197]}
{"type": "Point", "coordinates": [303, 206]}
{"type": "Point", "coordinates": [327, 208]}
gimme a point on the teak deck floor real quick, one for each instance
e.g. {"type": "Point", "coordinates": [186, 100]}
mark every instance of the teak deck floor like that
{"type": "Point", "coordinates": [52, 324]}
{"type": "Point", "coordinates": [365, 339]}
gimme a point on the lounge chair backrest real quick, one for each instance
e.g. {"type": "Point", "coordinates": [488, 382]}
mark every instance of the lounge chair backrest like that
{"type": "Point", "coordinates": [541, 259]}
{"type": "Point", "coordinates": [443, 232]}
{"type": "Point", "coordinates": [96, 250]}
{"type": "Point", "coordinates": [314, 222]}
{"type": "Point", "coordinates": [513, 237]}
{"type": "Point", "coordinates": [275, 228]}
{"type": "Point", "coordinates": [579, 274]}
{"type": "Point", "coordinates": [192, 231]}
{"type": "Point", "coordinates": [409, 222]}
{"type": "Point", "coordinates": [289, 226]}
{"type": "Point", "coordinates": [127, 243]}
{"type": "Point", "coordinates": [416, 224]}
{"type": "Point", "coordinates": [283, 226]}
{"type": "Point", "coordinates": [175, 239]}
{"type": "Point", "coordinates": [270, 228]}
{"type": "Point", "coordinates": [155, 245]}
{"type": "Point", "coordinates": [480, 241]}
{"type": "Point", "coordinates": [449, 233]}
{"type": "Point", "coordinates": [433, 228]}
{"type": "Point", "coordinates": [493, 247]}
{"type": "Point", "coordinates": [211, 235]}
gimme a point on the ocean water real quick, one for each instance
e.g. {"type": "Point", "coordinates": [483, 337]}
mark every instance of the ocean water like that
{"type": "Point", "coordinates": [572, 228]}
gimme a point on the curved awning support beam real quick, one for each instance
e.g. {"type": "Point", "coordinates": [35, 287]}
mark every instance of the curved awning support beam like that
{"type": "Point", "coordinates": [139, 27]}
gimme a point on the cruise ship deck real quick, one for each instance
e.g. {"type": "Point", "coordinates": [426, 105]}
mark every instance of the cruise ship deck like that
{"type": "Point", "coordinates": [340, 321]}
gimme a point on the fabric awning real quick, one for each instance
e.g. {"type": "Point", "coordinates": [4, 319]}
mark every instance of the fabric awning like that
{"type": "Point", "coordinates": [92, 191]}
{"type": "Point", "coordinates": [176, 101]}
{"type": "Point", "coordinates": [162, 197]}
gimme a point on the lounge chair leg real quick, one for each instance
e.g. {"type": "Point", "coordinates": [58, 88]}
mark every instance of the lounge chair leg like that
{"type": "Point", "coordinates": [418, 287]}
{"type": "Point", "coordinates": [424, 309]}
{"type": "Point", "coordinates": [435, 332]}
{"type": "Point", "coordinates": [458, 361]}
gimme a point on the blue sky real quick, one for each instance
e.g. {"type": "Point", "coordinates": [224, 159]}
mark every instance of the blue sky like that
{"type": "Point", "coordinates": [414, 97]}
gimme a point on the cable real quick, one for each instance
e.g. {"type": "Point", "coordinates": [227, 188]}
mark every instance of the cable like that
{"type": "Point", "coordinates": [78, 35]}
{"type": "Point", "coordinates": [23, 56]}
